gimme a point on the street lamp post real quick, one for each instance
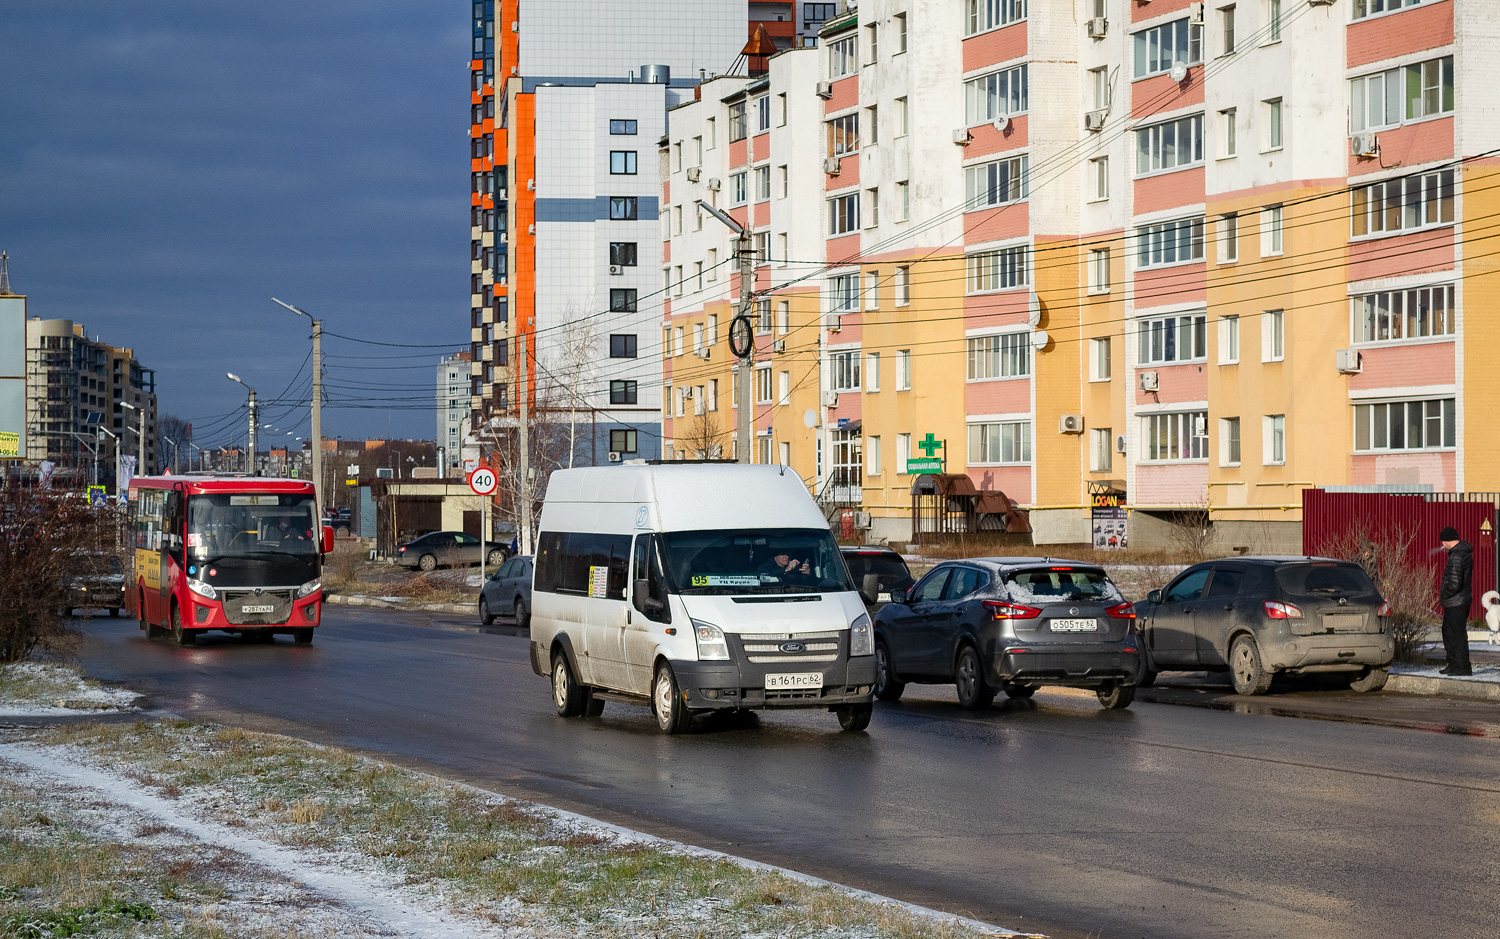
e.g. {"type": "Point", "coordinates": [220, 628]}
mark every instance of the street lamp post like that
{"type": "Point", "coordinates": [741, 332]}
{"type": "Point", "coordinates": [140, 439]}
{"type": "Point", "coordinates": [249, 457]}
{"type": "Point", "coordinates": [317, 399]}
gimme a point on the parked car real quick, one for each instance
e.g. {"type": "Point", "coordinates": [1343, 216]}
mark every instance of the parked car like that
{"type": "Point", "coordinates": [1008, 624]}
{"type": "Point", "coordinates": [450, 548]}
{"type": "Point", "coordinates": [885, 565]}
{"type": "Point", "coordinates": [100, 586]}
{"type": "Point", "coordinates": [508, 593]}
{"type": "Point", "coordinates": [1256, 616]}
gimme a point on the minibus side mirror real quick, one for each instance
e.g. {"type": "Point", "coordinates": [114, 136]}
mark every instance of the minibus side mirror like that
{"type": "Point", "coordinates": [869, 589]}
{"type": "Point", "coordinates": [898, 595]}
{"type": "Point", "coordinates": [1153, 597]}
{"type": "Point", "coordinates": [641, 599]}
{"type": "Point", "coordinates": [327, 544]}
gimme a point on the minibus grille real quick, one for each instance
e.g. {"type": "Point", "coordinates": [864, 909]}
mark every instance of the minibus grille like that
{"type": "Point", "coordinates": [236, 601]}
{"type": "Point", "coordinates": [790, 648]}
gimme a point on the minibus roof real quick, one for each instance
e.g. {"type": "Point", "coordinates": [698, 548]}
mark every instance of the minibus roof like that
{"type": "Point", "coordinates": [695, 496]}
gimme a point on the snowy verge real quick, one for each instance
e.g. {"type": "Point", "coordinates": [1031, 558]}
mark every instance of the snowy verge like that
{"type": "Point", "coordinates": [43, 689]}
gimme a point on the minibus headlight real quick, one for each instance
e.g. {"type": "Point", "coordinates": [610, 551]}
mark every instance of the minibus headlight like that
{"type": "Point", "coordinates": [861, 636]}
{"type": "Point", "coordinates": [309, 588]}
{"type": "Point", "coordinates": [711, 644]}
{"type": "Point", "coordinates": [206, 591]}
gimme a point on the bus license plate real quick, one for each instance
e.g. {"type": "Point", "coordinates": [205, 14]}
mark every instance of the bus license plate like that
{"type": "Point", "coordinates": [261, 608]}
{"type": "Point", "coordinates": [1074, 625]}
{"type": "Point", "coordinates": [789, 681]}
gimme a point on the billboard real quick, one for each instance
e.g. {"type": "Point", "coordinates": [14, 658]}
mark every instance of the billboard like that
{"type": "Point", "coordinates": [12, 378]}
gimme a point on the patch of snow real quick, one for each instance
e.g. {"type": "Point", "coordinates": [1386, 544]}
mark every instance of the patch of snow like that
{"type": "Point", "coordinates": [62, 692]}
{"type": "Point", "coordinates": [1482, 673]}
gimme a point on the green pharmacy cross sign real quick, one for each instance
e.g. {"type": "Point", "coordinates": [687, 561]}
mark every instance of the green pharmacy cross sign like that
{"type": "Point", "coordinates": [927, 463]}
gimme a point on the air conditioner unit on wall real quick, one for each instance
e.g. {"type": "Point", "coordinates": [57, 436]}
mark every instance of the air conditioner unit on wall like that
{"type": "Point", "coordinates": [1147, 381]}
{"type": "Point", "coordinates": [702, 353]}
{"type": "Point", "coordinates": [778, 346]}
{"type": "Point", "coordinates": [830, 399]}
{"type": "Point", "coordinates": [616, 270]}
{"type": "Point", "coordinates": [1195, 14]}
{"type": "Point", "coordinates": [961, 136]}
{"type": "Point", "coordinates": [861, 519]}
{"type": "Point", "coordinates": [1119, 443]}
{"type": "Point", "coordinates": [1364, 145]}
{"type": "Point", "coordinates": [687, 392]}
{"type": "Point", "coordinates": [825, 89]}
{"type": "Point", "coordinates": [693, 173]}
{"type": "Point", "coordinates": [1348, 361]}
{"type": "Point", "coordinates": [1097, 27]}
{"type": "Point", "coordinates": [1094, 120]}
{"type": "Point", "coordinates": [614, 457]}
{"type": "Point", "coordinates": [1070, 424]}
{"type": "Point", "coordinates": [715, 184]}
{"type": "Point", "coordinates": [832, 165]}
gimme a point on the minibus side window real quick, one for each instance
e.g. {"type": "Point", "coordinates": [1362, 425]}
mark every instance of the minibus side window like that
{"type": "Point", "coordinates": [645, 568]}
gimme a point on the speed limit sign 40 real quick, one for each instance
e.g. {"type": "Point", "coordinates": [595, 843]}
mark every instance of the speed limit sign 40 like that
{"type": "Point", "coordinates": [483, 481]}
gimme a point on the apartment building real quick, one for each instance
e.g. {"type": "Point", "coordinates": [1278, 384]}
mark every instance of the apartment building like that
{"type": "Point", "coordinates": [453, 381]}
{"type": "Point", "coordinates": [1198, 255]}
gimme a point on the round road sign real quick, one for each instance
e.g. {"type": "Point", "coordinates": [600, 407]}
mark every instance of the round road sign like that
{"type": "Point", "coordinates": [483, 480]}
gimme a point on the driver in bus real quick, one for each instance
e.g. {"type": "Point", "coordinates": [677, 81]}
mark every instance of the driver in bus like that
{"type": "Point", "coordinates": [286, 532]}
{"type": "Point", "coordinates": [787, 567]}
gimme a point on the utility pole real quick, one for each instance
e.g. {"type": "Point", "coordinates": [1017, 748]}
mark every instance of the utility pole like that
{"type": "Point", "coordinates": [741, 333]}
{"type": "Point", "coordinates": [523, 484]}
{"type": "Point", "coordinates": [317, 400]}
{"type": "Point", "coordinates": [140, 459]}
{"type": "Point", "coordinates": [249, 457]}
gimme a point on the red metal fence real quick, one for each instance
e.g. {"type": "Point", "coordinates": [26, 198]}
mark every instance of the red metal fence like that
{"type": "Point", "coordinates": [1328, 516]}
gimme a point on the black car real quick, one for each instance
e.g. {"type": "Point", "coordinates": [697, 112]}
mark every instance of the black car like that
{"type": "Point", "coordinates": [1012, 625]}
{"type": "Point", "coordinates": [99, 584]}
{"type": "Point", "coordinates": [884, 564]}
{"type": "Point", "coordinates": [1256, 616]}
{"type": "Point", "coordinates": [508, 593]}
{"type": "Point", "coordinates": [448, 548]}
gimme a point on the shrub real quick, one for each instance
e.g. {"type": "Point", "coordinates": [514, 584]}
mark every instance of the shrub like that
{"type": "Point", "coordinates": [1408, 585]}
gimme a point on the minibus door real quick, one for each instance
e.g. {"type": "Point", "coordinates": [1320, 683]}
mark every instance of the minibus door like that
{"type": "Point", "coordinates": [646, 613]}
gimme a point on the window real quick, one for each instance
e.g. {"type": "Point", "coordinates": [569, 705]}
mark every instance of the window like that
{"type": "Point", "coordinates": [713, 328]}
{"type": "Point", "coordinates": [903, 201]}
{"type": "Point", "coordinates": [1179, 436]}
{"type": "Point", "coordinates": [995, 183]}
{"type": "Point", "coordinates": [786, 181]}
{"type": "Point", "coordinates": [843, 297]}
{"type": "Point", "coordinates": [1392, 316]}
{"type": "Point", "coordinates": [843, 370]}
{"type": "Point", "coordinates": [1007, 355]}
{"type": "Point", "coordinates": [1226, 28]}
{"type": "Point", "coordinates": [783, 388]}
{"type": "Point", "coordinates": [1270, 230]}
{"type": "Point", "coordinates": [1169, 145]}
{"type": "Point", "coordinates": [1272, 336]}
{"type": "Point", "coordinates": [1272, 111]}
{"type": "Point", "coordinates": [1098, 272]}
{"type": "Point", "coordinates": [1229, 340]}
{"type": "Point", "coordinates": [783, 316]}
{"type": "Point", "coordinates": [1229, 238]}
{"type": "Point", "coordinates": [622, 253]}
{"type": "Point", "coordinates": [843, 134]}
{"type": "Point", "coordinates": [622, 208]}
{"type": "Point", "coordinates": [1101, 450]}
{"type": "Point", "coordinates": [1273, 429]}
{"type": "Point", "coordinates": [903, 453]}
{"type": "Point", "coordinates": [1099, 177]}
{"type": "Point", "coordinates": [1159, 48]}
{"type": "Point", "coordinates": [872, 208]}
{"type": "Point", "coordinates": [899, 22]}
{"type": "Point", "coordinates": [677, 218]}
{"type": "Point", "coordinates": [980, 15]}
{"type": "Point", "coordinates": [737, 188]}
{"type": "Point", "coordinates": [786, 454]}
{"type": "Point", "coordinates": [1163, 340]}
{"type": "Point", "coordinates": [622, 300]}
{"type": "Point", "coordinates": [872, 455]}
{"type": "Point", "coordinates": [760, 313]}
{"type": "Point", "coordinates": [680, 344]}
{"type": "Point", "coordinates": [617, 127]}
{"type": "Point", "coordinates": [781, 110]}
{"type": "Point", "coordinates": [622, 346]}
{"type": "Point", "coordinates": [762, 107]}
{"type": "Point", "coordinates": [1404, 425]}
{"type": "Point", "coordinates": [1273, 21]}
{"type": "Point", "coordinates": [623, 441]}
{"type": "Point", "coordinates": [841, 57]}
{"type": "Point", "coordinates": [762, 247]}
{"type": "Point", "coordinates": [996, 270]}
{"type": "Point", "coordinates": [1229, 441]}
{"type": "Point", "coordinates": [678, 290]}
{"type": "Point", "coordinates": [872, 126]}
{"type": "Point", "coordinates": [843, 214]}
{"type": "Point", "coordinates": [762, 183]}
{"type": "Point", "coordinates": [677, 157]}
{"type": "Point", "coordinates": [1099, 87]}
{"type": "Point", "coordinates": [1003, 442]}
{"type": "Point", "coordinates": [622, 392]}
{"type": "Point", "coordinates": [622, 162]}
{"type": "Point", "coordinates": [710, 130]}
{"type": "Point", "coordinates": [763, 384]}
{"type": "Point", "coordinates": [1403, 204]}
{"type": "Point", "coordinates": [901, 121]}
{"type": "Point", "coordinates": [872, 44]}
{"type": "Point", "coordinates": [565, 562]}
{"type": "Point", "coordinates": [697, 275]}
{"type": "Point", "coordinates": [737, 130]}
{"type": "Point", "coordinates": [1408, 93]}
{"type": "Point", "coordinates": [1100, 363]}
{"type": "Point", "coordinates": [903, 369]}
{"type": "Point", "coordinates": [697, 337]}
{"type": "Point", "coordinates": [1228, 143]}
{"type": "Point", "coordinates": [1364, 8]}
{"type": "Point", "coordinates": [697, 151]}
{"type": "Point", "coordinates": [1174, 242]}
{"type": "Point", "coordinates": [903, 286]}
{"type": "Point", "coordinates": [713, 394]}
{"type": "Point", "coordinates": [872, 372]}
{"type": "Point", "coordinates": [872, 290]}
{"type": "Point", "coordinates": [998, 94]}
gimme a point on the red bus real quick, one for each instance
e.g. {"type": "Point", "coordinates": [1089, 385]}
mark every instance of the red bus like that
{"type": "Point", "coordinates": [239, 554]}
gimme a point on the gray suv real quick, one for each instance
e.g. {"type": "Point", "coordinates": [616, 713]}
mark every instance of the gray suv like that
{"type": "Point", "coordinates": [1256, 616]}
{"type": "Point", "coordinates": [1009, 624]}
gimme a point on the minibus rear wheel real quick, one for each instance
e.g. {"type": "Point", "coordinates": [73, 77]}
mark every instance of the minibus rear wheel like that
{"type": "Point", "coordinates": [568, 696]}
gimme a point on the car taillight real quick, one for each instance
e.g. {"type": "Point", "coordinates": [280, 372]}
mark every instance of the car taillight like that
{"type": "Point", "coordinates": [1000, 609]}
{"type": "Point", "coordinates": [401, 550]}
{"type": "Point", "coordinates": [1122, 611]}
{"type": "Point", "coordinates": [1385, 609]}
{"type": "Point", "coordinates": [1278, 610]}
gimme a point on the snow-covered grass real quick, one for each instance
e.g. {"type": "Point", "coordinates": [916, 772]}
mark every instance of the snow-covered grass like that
{"type": "Point", "coordinates": [45, 688]}
{"type": "Point", "coordinates": [505, 867]}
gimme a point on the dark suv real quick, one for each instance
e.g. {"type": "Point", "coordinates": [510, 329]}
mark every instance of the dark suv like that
{"type": "Point", "coordinates": [1012, 625]}
{"type": "Point", "coordinates": [1256, 616]}
{"type": "Point", "coordinates": [885, 565]}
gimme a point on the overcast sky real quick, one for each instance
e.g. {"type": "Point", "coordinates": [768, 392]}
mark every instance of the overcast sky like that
{"type": "Point", "coordinates": [167, 166]}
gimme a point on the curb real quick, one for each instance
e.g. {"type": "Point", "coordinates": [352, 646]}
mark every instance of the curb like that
{"type": "Point", "coordinates": [340, 600]}
{"type": "Point", "coordinates": [1422, 684]}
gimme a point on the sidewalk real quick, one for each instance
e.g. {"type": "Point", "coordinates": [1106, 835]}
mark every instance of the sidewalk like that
{"type": "Point", "coordinates": [1484, 656]}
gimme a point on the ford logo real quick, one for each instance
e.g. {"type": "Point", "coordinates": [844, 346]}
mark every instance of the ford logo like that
{"type": "Point", "coordinates": [793, 647]}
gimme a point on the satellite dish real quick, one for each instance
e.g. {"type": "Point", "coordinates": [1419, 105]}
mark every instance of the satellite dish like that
{"type": "Point", "coordinates": [1039, 339]}
{"type": "Point", "coordinates": [1001, 122]}
{"type": "Point", "coordinates": [1033, 310]}
{"type": "Point", "coordinates": [810, 418]}
{"type": "Point", "coordinates": [1179, 71]}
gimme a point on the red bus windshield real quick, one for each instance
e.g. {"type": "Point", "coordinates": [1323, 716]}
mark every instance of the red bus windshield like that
{"type": "Point", "coordinates": [249, 524]}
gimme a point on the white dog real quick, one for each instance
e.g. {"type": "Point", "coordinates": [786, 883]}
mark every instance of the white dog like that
{"type": "Point", "coordinates": [1491, 603]}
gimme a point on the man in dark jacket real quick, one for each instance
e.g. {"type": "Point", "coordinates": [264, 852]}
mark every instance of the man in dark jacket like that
{"type": "Point", "coordinates": [1455, 596]}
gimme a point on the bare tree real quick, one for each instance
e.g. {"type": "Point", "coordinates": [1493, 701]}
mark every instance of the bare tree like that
{"type": "Point", "coordinates": [704, 438]}
{"type": "Point", "coordinates": [1193, 528]}
{"type": "Point", "coordinates": [46, 540]}
{"type": "Point", "coordinates": [566, 372]}
{"type": "Point", "coordinates": [175, 435]}
{"type": "Point", "coordinates": [1385, 553]}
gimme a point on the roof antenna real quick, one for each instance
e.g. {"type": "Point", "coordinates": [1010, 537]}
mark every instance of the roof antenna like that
{"type": "Point", "coordinates": [5, 275]}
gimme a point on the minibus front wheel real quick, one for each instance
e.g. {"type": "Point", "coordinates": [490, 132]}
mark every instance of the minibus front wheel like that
{"type": "Point", "coordinates": [672, 714]}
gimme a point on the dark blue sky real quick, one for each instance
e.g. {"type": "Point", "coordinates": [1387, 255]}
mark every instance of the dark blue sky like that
{"type": "Point", "coordinates": [167, 166]}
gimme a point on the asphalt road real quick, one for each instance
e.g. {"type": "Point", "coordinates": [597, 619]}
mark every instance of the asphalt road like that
{"type": "Point", "coordinates": [1307, 814]}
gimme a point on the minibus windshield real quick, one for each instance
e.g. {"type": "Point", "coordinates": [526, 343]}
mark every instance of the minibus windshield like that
{"type": "Point", "coordinates": [242, 525]}
{"type": "Point", "coordinates": [754, 560]}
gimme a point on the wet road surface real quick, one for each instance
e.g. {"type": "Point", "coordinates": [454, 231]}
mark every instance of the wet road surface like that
{"type": "Point", "coordinates": [1225, 819]}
